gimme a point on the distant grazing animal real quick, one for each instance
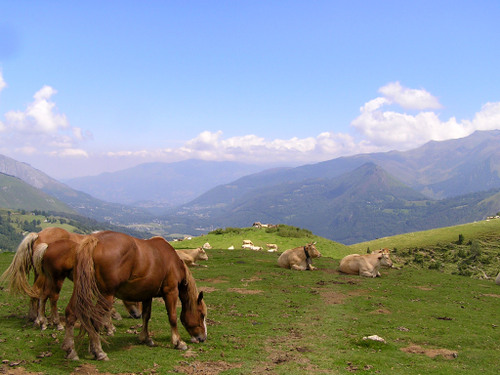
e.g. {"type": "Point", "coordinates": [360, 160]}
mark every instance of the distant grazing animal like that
{"type": "Point", "coordinates": [271, 247]}
{"type": "Point", "coordinates": [367, 264]}
{"type": "Point", "coordinates": [231, 247]}
{"type": "Point", "coordinates": [299, 258]}
{"type": "Point", "coordinates": [247, 242]}
{"type": "Point", "coordinates": [207, 246]}
{"type": "Point", "coordinates": [251, 247]}
{"type": "Point", "coordinates": [190, 256]}
{"type": "Point", "coordinates": [110, 264]}
{"type": "Point", "coordinates": [497, 280]}
{"type": "Point", "coordinates": [50, 253]}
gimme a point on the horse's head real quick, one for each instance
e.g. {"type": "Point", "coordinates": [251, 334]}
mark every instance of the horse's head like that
{"type": "Point", "coordinates": [311, 249]}
{"type": "Point", "coordinates": [194, 320]}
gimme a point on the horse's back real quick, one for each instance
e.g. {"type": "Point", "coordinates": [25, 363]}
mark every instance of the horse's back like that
{"type": "Point", "coordinates": [52, 234]}
{"type": "Point", "coordinates": [131, 267]}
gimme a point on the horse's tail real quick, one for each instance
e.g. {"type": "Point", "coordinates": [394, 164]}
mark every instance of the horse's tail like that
{"type": "Point", "coordinates": [18, 272]}
{"type": "Point", "coordinates": [38, 255]}
{"type": "Point", "coordinates": [89, 304]}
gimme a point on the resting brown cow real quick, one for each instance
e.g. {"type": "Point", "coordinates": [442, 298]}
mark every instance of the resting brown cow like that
{"type": "Point", "coordinates": [299, 258]}
{"type": "Point", "coordinates": [190, 256]}
{"type": "Point", "coordinates": [365, 265]}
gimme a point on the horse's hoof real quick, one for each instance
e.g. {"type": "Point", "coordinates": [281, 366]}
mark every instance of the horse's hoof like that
{"type": "Point", "coordinates": [73, 356]}
{"type": "Point", "coordinates": [181, 346]}
{"type": "Point", "coordinates": [101, 357]}
{"type": "Point", "coordinates": [150, 343]}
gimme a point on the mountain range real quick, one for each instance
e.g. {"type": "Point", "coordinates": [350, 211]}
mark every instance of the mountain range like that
{"type": "Point", "coordinates": [347, 199]}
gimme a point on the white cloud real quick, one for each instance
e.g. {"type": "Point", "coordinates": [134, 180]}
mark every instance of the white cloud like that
{"type": "Point", "coordinates": [409, 98]}
{"type": "Point", "coordinates": [40, 129]}
{"type": "Point", "coordinates": [388, 129]}
{"type": "Point", "coordinates": [40, 116]}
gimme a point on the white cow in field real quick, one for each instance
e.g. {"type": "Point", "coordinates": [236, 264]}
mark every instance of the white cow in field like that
{"type": "Point", "coordinates": [251, 247]}
{"type": "Point", "coordinates": [497, 280]}
{"type": "Point", "coordinates": [299, 258]}
{"type": "Point", "coordinates": [247, 242]}
{"type": "Point", "coordinates": [206, 246]}
{"type": "Point", "coordinates": [190, 256]}
{"type": "Point", "coordinates": [272, 247]}
{"type": "Point", "coordinates": [367, 264]}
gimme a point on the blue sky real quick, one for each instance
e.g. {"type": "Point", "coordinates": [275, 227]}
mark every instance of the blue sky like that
{"type": "Point", "coordinates": [95, 86]}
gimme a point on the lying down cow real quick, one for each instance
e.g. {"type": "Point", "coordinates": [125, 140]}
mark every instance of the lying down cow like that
{"type": "Point", "coordinates": [367, 264]}
{"type": "Point", "coordinates": [299, 258]}
{"type": "Point", "coordinates": [190, 256]}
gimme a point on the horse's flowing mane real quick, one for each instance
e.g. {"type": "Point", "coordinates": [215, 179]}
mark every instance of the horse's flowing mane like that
{"type": "Point", "coordinates": [191, 290]}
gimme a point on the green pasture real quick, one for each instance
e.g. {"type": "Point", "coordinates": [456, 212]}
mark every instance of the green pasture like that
{"type": "Point", "coordinates": [264, 319]}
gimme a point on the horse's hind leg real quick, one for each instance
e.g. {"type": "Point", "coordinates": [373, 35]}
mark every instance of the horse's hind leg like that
{"type": "Point", "coordinates": [69, 338]}
{"type": "Point", "coordinates": [54, 297]}
{"type": "Point", "coordinates": [41, 319]}
{"type": "Point", "coordinates": [146, 315]}
{"type": "Point", "coordinates": [95, 346]}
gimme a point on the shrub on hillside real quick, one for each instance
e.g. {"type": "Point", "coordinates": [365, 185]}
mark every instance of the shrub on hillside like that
{"type": "Point", "coordinates": [283, 230]}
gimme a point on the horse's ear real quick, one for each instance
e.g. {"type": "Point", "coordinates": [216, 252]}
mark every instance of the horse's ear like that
{"type": "Point", "coordinates": [200, 297]}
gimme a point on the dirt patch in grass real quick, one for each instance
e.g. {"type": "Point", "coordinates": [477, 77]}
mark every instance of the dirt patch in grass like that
{"type": "Point", "coordinates": [5, 369]}
{"type": "Point", "coordinates": [381, 311]}
{"type": "Point", "coordinates": [432, 353]}
{"type": "Point", "coordinates": [288, 349]}
{"type": "Point", "coordinates": [245, 291]}
{"type": "Point", "coordinates": [206, 368]}
{"type": "Point", "coordinates": [423, 287]}
{"type": "Point", "coordinates": [207, 289]}
{"type": "Point", "coordinates": [492, 295]}
{"type": "Point", "coordinates": [215, 281]}
{"type": "Point", "coordinates": [332, 297]}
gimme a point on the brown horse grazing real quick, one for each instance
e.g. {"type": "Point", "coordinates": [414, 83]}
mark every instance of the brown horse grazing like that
{"type": "Point", "coordinates": [110, 264]}
{"type": "Point", "coordinates": [50, 270]}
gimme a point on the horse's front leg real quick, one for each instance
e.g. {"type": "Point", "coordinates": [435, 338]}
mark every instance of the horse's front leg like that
{"type": "Point", "coordinates": [171, 305]}
{"type": "Point", "coordinates": [146, 315]}
{"type": "Point", "coordinates": [69, 338]}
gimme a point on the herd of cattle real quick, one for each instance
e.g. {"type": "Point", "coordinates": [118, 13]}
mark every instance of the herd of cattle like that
{"type": "Point", "coordinates": [300, 258]}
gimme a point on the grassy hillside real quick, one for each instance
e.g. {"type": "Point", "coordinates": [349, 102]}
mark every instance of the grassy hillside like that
{"type": "Point", "coordinates": [16, 194]}
{"type": "Point", "coordinates": [471, 249]}
{"type": "Point", "coordinates": [263, 319]}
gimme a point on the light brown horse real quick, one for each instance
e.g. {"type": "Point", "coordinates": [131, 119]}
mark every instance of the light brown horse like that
{"type": "Point", "coordinates": [51, 266]}
{"type": "Point", "coordinates": [110, 264]}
